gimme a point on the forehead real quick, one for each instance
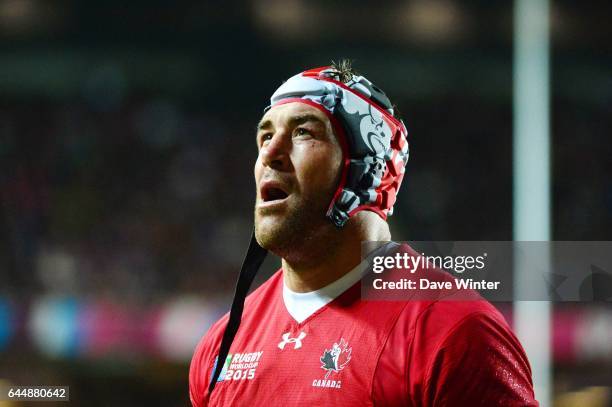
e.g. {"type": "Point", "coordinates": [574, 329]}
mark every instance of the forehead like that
{"type": "Point", "coordinates": [284, 113]}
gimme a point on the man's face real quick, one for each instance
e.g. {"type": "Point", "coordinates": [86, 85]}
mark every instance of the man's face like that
{"type": "Point", "coordinates": [297, 172]}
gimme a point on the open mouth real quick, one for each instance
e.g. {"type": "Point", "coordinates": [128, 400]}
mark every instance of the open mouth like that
{"type": "Point", "coordinates": [270, 193]}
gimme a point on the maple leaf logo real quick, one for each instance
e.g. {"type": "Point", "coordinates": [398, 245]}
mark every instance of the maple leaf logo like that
{"type": "Point", "coordinates": [336, 358]}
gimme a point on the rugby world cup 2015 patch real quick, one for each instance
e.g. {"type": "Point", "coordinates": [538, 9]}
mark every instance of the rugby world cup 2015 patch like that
{"type": "Point", "coordinates": [239, 366]}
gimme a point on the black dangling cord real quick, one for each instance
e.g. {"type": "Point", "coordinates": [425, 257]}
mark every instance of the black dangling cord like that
{"type": "Point", "coordinates": [252, 261]}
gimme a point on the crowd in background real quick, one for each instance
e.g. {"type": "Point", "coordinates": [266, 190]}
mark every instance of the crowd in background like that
{"type": "Point", "coordinates": [151, 199]}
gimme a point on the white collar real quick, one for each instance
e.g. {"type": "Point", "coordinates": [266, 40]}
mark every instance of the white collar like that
{"type": "Point", "coordinates": [302, 305]}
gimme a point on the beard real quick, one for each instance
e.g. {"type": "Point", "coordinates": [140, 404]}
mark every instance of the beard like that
{"type": "Point", "coordinates": [295, 232]}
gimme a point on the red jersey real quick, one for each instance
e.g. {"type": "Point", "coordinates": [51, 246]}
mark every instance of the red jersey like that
{"type": "Point", "coordinates": [364, 353]}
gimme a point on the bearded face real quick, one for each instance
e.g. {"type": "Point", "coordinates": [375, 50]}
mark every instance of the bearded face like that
{"type": "Point", "coordinates": [297, 171]}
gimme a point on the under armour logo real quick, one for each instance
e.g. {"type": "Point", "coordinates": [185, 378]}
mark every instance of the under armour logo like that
{"type": "Point", "coordinates": [297, 342]}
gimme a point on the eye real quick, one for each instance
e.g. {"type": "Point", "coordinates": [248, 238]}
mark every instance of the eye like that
{"type": "Point", "coordinates": [300, 131]}
{"type": "Point", "coordinates": [265, 137]}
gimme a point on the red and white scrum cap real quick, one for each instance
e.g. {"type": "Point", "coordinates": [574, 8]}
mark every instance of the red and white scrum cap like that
{"type": "Point", "coordinates": [374, 142]}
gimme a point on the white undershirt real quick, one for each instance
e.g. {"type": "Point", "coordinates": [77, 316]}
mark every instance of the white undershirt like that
{"type": "Point", "coordinates": [302, 305]}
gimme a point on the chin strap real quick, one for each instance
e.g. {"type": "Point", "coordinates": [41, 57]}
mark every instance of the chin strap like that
{"type": "Point", "coordinates": [252, 261]}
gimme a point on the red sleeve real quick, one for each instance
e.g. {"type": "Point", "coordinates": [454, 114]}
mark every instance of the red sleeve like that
{"type": "Point", "coordinates": [479, 363]}
{"type": "Point", "coordinates": [202, 363]}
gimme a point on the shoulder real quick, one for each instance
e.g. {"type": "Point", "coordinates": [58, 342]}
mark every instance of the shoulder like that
{"type": "Point", "coordinates": [480, 361]}
{"type": "Point", "coordinates": [424, 326]}
{"type": "Point", "coordinates": [436, 312]}
{"type": "Point", "coordinates": [457, 351]}
{"type": "Point", "coordinates": [205, 352]}
{"type": "Point", "coordinates": [431, 327]}
{"type": "Point", "coordinates": [465, 324]}
{"type": "Point", "coordinates": [443, 316]}
{"type": "Point", "coordinates": [469, 353]}
{"type": "Point", "coordinates": [202, 361]}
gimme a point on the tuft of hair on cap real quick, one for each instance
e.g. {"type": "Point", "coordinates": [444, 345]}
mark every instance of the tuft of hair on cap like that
{"type": "Point", "coordinates": [345, 70]}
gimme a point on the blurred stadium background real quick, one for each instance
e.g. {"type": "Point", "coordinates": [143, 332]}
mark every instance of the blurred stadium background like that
{"type": "Point", "coordinates": [126, 153]}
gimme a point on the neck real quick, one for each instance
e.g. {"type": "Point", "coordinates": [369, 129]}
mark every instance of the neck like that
{"type": "Point", "coordinates": [332, 256]}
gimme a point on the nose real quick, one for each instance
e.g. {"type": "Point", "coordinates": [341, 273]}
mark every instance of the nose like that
{"type": "Point", "coordinates": [275, 152]}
